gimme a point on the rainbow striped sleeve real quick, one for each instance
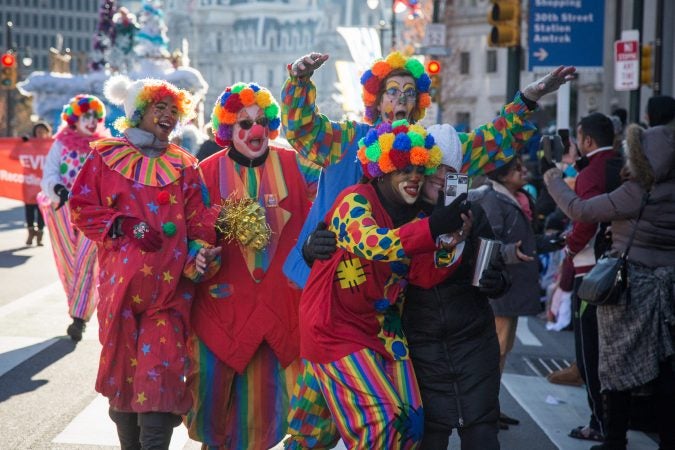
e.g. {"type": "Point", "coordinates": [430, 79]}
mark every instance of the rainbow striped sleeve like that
{"type": "Point", "coordinates": [312, 134]}
{"type": "Point", "coordinates": [310, 172]}
{"type": "Point", "coordinates": [492, 145]}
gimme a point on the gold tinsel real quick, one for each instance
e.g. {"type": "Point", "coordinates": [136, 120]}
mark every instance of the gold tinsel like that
{"type": "Point", "coordinates": [244, 220]}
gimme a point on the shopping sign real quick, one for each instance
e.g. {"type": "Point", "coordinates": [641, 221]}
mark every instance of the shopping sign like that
{"type": "Point", "coordinates": [626, 65]}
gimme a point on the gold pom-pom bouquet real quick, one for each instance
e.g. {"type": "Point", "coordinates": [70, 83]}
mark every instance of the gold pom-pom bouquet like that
{"type": "Point", "coordinates": [244, 220]}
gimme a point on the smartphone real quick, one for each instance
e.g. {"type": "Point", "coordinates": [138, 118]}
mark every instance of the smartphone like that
{"type": "Point", "coordinates": [455, 185]}
{"type": "Point", "coordinates": [552, 148]}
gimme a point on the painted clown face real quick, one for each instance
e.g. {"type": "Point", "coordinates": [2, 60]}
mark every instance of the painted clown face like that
{"type": "Point", "coordinates": [160, 118]}
{"type": "Point", "coordinates": [87, 123]}
{"type": "Point", "coordinates": [403, 186]}
{"type": "Point", "coordinates": [250, 133]}
{"type": "Point", "coordinates": [398, 99]}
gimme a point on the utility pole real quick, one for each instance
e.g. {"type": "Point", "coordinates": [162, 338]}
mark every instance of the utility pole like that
{"type": "Point", "coordinates": [638, 18]}
{"type": "Point", "coordinates": [9, 100]}
{"type": "Point", "coordinates": [658, 48]}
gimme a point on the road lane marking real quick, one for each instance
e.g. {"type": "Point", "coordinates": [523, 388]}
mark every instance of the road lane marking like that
{"type": "Point", "coordinates": [524, 335]}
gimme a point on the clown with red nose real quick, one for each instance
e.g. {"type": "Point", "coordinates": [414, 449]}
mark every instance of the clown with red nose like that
{"type": "Point", "coordinates": [245, 341]}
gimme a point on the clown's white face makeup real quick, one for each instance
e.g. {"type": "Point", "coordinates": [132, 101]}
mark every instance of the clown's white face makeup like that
{"type": "Point", "coordinates": [399, 98]}
{"type": "Point", "coordinates": [436, 182]}
{"type": "Point", "coordinates": [403, 186]}
{"type": "Point", "coordinates": [250, 133]}
{"type": "Point", "coordinates": [87, 123]}
{"type": "Point", "coordinates": [160, 118]}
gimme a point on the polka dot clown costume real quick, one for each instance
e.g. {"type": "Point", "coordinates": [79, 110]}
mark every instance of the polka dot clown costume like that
{"type": "Point", "coordinates": [245, 342]}
{"type": "Point", "coordinates": [381, 244]}
{"type": "Point", "coordinates": [75, 255]}
{"type": "Point", "coordinates": [140, 199]}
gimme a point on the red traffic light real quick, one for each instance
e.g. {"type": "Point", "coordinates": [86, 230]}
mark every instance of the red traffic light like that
{"type": "Point", "coordinates": [8, 60]}
{"type": "Point", "coordinates": [433, 67]}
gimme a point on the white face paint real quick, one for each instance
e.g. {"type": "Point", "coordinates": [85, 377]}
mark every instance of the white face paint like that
{"type": "Point", "coordinates": [87, 123]}
{"type": "Point", "coordinates": [250, 134]}
{"type": "Point", "coordinates": [405, 186]}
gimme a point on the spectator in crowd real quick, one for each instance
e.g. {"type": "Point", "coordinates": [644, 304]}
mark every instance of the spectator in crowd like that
{"type": "Point", "coordinates": [660, 110]}
{"type": "Point", "coordinates": [595, 136]}
{"type": "Point", "coordinates": [509, 211]}
{"type": "Point", "coordinates": [450, 329]}
{"type": "Point", "coordinates": [209, 146]}
{"type": "Point", "coordinates": [637, 335]}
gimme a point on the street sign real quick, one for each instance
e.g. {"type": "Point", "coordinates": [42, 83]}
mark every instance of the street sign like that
{"type": "Point", "coordinates": [434, 40]}
{"type": "Point", "coordinates": [565, 33]}
{"type": "Point", "coordinates": [626, 65]}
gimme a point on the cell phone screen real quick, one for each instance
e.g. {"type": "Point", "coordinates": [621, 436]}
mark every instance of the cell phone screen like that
{"type": "Point", "coordinates": [455, 185]}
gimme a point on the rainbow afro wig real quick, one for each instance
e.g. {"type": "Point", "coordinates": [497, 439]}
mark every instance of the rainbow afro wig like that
{"type": "Point", "coordinates": [234, 99]}
{"type": "Point", "coordinates": [82, 104]}
{"type": "Point", "coordinates": [136, 96]}
{"type": "Point", "coordinates": [391, 147]}
{"type": "Point", "coordinates": [373, 81]}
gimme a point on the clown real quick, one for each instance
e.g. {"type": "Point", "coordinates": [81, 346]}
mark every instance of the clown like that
{"type": "Point", "coordinates": [140, 199]}
{"type": "Point", "coordinates": [379, 229]}
{"type": "Point", "coordinates": [75, 255]}
{"type": "Point", "coordinates": [388, 95]}
{"type": "Point", "coordinates": [245, 344]}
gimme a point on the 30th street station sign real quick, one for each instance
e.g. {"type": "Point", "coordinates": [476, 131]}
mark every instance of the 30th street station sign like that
{"type": "Point", "coordinates": [566, 32]}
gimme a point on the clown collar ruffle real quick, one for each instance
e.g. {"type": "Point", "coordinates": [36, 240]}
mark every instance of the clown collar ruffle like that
{"type": "Point", "coordinates": [74, 140]}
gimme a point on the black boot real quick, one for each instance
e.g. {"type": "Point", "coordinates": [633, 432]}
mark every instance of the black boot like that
{"type": "Point", "coordinates": [156, 429]}
{"type": "Point", "coordinates": [616, 409]}
{"type": "Point", "coordinates": [76, 329]}
{"type": "Point", "coordinates": [127, 429]}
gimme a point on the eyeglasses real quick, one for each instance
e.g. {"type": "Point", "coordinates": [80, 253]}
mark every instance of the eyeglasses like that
{"type": "Point", "coordinates": [410, 169]}
{"type": "Point", "coordinates": [246, 124]}
{"type": "Point", "coordinates": [409, 94]}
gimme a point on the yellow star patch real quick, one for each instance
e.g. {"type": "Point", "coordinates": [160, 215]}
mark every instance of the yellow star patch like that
{"type": "Point", "coordinates": [147, 270]}
{"type": "Point", "coordinates": [162, 340]}
{"type": "Point", "coordinates": [134, 362]}
{"type": "Point", "coordinates": [130, 380]}
{"type": "Point", "coordinates": [172, 199]}
{"type": "Point", "coordinates": [161, 322]}
{"type": "Point", "coordinates": [141, 398]}
{"type": "Point", "coordinates": [167, 276]}
{"type": "Point", "coordinates": [137, 299]}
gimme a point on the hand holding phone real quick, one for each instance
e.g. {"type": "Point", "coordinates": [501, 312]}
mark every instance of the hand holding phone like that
{"type": "Point", "coordinates": [455, 185]}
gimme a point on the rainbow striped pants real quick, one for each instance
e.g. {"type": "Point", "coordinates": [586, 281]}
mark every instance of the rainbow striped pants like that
{"type": "Point", "coordinates": [374, 402]}
{"type": "Point", "coordinates": [75, 257]}
{"type": "Point", "coordinates": [238, 411]}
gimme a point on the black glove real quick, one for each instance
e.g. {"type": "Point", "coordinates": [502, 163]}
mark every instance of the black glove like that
{"type": "Point", "coordinates": [320, 244]}
{"type": "Point", "coordinates": [63, 193]}
{"type": "Point", "coordinates": [495, 281]}
{"type": "Point", "coordinates": [446, 219]}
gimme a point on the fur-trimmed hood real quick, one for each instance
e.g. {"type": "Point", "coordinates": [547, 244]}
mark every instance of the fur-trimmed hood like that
{"type": "Point", "coordinates": [651, 153]}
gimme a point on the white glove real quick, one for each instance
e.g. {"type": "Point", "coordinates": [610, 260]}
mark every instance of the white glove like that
{"type": "Point", "coordinates": [306, 65]}
{"type": "Point", "coordinates": [549, 83]}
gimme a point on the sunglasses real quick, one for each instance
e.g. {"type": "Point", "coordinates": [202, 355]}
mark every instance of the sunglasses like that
{"type": "Point", "coordinates": [410, 169]}
{"type": "Point", "coordinates": [246, 124]}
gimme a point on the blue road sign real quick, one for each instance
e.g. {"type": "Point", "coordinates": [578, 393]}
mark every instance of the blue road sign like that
{"type": "Point", "coordinates": [565, 32]}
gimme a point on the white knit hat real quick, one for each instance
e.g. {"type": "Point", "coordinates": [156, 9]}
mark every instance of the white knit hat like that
{"type": "Point", "coordinates": [447, 139]}
{"type": "Point", "coordinates": [120, 90]}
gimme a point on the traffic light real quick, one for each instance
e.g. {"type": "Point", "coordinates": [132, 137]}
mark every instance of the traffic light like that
{"type": "Point", "coordinates": [647, 64]}
{"type": "Point", "coordinates": [8, 71]}
{"type": "Point", "coordinates": [434, 70]}
{"type": "Point", "coordinates": [504, 16]}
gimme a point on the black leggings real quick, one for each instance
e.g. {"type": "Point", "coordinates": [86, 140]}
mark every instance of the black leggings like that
{"type": "Point", "coordinates": [33, 212]}
{"type": "Point", "coordinates": [479, 435]}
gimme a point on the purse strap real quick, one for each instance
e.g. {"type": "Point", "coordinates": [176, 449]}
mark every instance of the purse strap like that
{"type": "Point", "coordinates": [645, 198]}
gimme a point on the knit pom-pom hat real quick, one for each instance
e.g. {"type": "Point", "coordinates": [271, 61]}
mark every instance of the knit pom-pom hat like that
{"type": "Point", "coordinates": [391, 147]}
{"type": "Point", "coordinates": [373, 79]}
{"type": "Point", "coordinates": [448, 142]}
{"type": "Point", "coordinates": [233, 99]}
{"type": "Point", "coordinates": [136, 96]}
{"type": "Point", "coordinates": [81, 104]}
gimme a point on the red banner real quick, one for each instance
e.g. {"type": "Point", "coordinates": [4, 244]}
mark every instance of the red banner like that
{"type": "Point", "coordinates": [21, 167]}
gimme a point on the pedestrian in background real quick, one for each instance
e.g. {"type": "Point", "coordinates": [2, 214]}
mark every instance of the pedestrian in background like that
{"type": "Point", "coordinates": [636, 335]}
{"type": "Point", "coordinates": [41, 130]}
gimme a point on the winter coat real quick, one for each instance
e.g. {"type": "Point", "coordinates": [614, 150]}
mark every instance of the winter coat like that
{"type": "Point", "coordinates": [453, 344]}
{"type": "Point", "coordinates": [510, 225]}
{"type": "Point", "coordinates": [651, 159]}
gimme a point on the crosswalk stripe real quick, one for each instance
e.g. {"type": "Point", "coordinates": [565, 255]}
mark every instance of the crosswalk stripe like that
{"type": "Point", "coordinates": [524, 335]}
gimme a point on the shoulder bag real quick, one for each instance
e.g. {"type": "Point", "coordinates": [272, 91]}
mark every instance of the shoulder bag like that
{"type": "Point", "coordinates": [608, 279]}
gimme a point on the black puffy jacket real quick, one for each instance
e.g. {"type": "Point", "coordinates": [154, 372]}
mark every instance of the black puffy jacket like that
{"type": "Point", "coordinates": [453, 344]}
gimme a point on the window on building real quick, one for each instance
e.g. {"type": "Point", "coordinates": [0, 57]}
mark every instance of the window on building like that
{"type": "Point", "coordinates": [463, 121]}
{"type": "Point", "coordinates": [270, 77]}
{"type": "Point", "coordinates": [464, 63]}
{"type": "Point", "coordinates": [491, 61]}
